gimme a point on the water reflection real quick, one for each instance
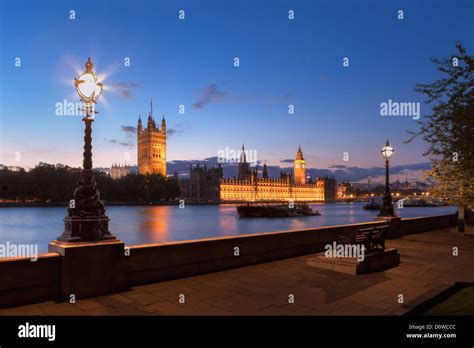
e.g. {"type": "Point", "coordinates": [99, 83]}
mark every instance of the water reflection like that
{"type": "Point", "coordinates": [228, 221]}
{"type": "Point", "coordinates": [157, 224]}
{"type": "Point", "coordinates": [154, 224]}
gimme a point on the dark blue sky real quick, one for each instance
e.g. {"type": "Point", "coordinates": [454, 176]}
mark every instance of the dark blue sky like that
{"type": "Point", "coordinates": [188, 62]}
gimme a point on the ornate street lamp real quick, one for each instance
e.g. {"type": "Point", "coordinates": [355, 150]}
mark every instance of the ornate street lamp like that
{"type": "Point", "coordinates": [387, 207]}
{"type": "Point", "coordinates": [86, 219]}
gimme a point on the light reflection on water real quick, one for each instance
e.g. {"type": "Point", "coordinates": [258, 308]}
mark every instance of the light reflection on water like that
{"type": "Point", "coordinates": [157, 224]}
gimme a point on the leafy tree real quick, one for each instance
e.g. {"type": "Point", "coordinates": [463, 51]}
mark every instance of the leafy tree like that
{"type": "Point", "coordinates": [449, 130]}
{"type": "Point", "coordinates": [56, 183]}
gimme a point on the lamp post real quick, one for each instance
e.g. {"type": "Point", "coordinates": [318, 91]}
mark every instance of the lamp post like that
{"type": "Point", "coordinates": [387, 207]}
{"type": "Point", "coordinates": [86, 219]}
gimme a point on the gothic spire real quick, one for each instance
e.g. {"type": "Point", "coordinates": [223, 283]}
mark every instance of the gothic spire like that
{"type": "Point", "coordinates": [299, 154]}
{"type": "Point", "coordinates": [243, 157]}
{"type": "Point", "coordinates": [265, 171]}
{"type": "Point", "coordinates": [139, 125]}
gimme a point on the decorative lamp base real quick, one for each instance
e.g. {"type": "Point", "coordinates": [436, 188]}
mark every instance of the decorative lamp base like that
{"type": "Point", "coordinates": [86, 228]}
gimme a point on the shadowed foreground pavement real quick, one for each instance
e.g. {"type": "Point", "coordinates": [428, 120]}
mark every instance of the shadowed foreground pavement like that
{"type": "Point", "coordinates": [427, 267]}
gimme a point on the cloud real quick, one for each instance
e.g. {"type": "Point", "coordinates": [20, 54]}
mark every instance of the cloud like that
{"type": "Point", "coordinates": [342, 172]}
{"type": "Point", "coordinates": [288, 160]}
{"type": "Point", "coordinates": [121, 143]}
{"type": "Point", "coordinates": [338, 166]}
{"type": "Point", "coordinates": [124, 89]}
{"type": "Point", "coordinates": [125, 94]}
{"type": "Point", "coordinates": [126, 84]}
{"type": "Point", "coordinates": [172, 131]}
{"type": "Point", "coordinates": [209, 94]}
{"type": "Point", "coordinates": [129, 130]}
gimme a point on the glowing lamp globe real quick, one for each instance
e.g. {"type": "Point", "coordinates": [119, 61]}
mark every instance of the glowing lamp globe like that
{"type": "Point", "coordinates": [87, 86]}
{"type": "Point", "coordinates": [387, 151]}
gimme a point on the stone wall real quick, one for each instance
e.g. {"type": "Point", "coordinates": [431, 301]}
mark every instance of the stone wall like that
{"type": "Point", "coordinates": [24, 281]}
{"type": "Point", "coordinates": [156, 262]}
{"type": "Point", "coordinates": [423, 224]}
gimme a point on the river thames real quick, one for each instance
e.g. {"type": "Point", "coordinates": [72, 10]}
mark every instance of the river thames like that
{"type": "Point", "coordinates": [158, 224]}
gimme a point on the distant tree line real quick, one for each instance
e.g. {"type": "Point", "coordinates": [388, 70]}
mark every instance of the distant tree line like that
{"type": "Point", "coordinates": [56, 183]}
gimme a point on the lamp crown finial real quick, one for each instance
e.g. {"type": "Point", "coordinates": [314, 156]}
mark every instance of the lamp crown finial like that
{"type": "Point", "coordinates": [89, 65]}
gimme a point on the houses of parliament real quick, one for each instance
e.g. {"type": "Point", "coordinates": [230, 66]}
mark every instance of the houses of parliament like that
{"type": "Point", "coordinates": [207, 185]}
{"type": "Point", "coordinates": [249, 187]}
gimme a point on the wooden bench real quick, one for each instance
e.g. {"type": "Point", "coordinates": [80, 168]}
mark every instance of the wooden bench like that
{"type": "Point", "coordinates": [372, 238]}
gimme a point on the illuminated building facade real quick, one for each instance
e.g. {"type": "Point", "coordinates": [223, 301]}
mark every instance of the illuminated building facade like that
{"type": "Point", "coordinates": [299, 168]}
{"type": "Point", "coordinates": [248, 187]}
{"type": "Point", "coordinates": [151, 146]}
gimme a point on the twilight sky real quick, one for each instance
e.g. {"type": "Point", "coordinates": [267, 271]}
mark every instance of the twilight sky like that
{"type": "Point", "coordinates": [190, 62]}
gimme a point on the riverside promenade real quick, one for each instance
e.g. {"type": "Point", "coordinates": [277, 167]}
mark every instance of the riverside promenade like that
{"type": "Point", "coordinates": [427, 267]}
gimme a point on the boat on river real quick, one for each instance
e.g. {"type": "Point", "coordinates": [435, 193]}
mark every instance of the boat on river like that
{"type": "Point", "coordinates": [373, 204]}
{"type": "Point", "coordinates": [275, 210]}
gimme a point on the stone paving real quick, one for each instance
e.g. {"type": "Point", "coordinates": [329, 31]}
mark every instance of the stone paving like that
{"type": "Point", "coordinates": [427, 267]}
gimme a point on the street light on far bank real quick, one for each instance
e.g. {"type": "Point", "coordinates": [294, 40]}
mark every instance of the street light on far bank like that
{"type": "Point", "coordinates": [387, 151]}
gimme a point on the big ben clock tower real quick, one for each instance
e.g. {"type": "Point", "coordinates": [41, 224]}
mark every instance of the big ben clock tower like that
{"type": "Point", "coordinates": [300, 168]}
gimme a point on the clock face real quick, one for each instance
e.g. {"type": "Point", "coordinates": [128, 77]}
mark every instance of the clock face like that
{"type": "Point", "coordinates": [302, 166]}
{"type": "Point", "coordinates": [297, 166]}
